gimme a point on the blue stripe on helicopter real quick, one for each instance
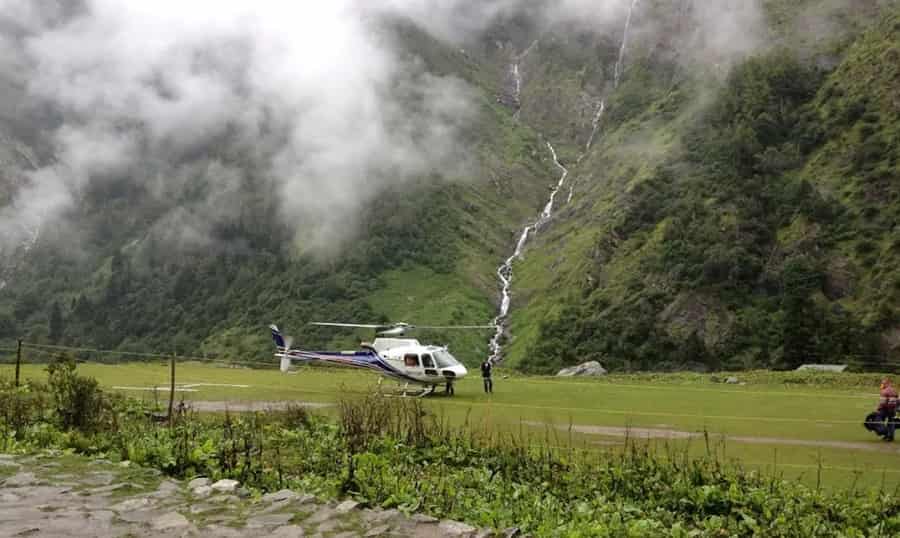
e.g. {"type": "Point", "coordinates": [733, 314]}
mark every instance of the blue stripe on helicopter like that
{"type": "Point", "coordinates": [359, 359]}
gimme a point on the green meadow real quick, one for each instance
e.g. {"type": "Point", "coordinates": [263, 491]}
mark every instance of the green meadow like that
{"type": "Point", "coordinates": [811, 432]}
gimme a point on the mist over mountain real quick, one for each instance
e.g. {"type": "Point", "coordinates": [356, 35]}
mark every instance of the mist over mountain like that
{"type": "Point", "coordinates": [180, 175]}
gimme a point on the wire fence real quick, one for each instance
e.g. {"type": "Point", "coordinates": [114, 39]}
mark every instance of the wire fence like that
{"type": "Point", "coordinates": [28, 353]}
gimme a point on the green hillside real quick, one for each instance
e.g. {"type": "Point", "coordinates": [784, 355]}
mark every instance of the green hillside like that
{"type": "Point", "coordinates": [729, 224]}
{"type": "Point", "coordinates": [733, 212]}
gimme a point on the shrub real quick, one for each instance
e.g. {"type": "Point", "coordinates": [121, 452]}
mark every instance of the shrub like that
{"type": "Point", "coordinates": [78, 401]}
{"type": "Point", "coordinates": [21, 407]}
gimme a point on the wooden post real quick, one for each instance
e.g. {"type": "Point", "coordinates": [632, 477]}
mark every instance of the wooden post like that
{"type": "Point", "coordinates": [171, 389]}
{"type": "Point", "coordinates": [18, 360]}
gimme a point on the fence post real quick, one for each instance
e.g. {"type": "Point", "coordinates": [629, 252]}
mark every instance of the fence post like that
{"type": "Point", "coordinates": [18, 360]}
{"type": "Point", "coordinates": [171, 389]}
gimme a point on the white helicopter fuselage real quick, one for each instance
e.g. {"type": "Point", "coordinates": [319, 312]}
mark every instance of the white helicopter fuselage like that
{"type": "Point", "coordinates": [429, 365]}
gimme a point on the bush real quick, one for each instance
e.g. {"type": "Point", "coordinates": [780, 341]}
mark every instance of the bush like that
{"type": "Point", "coordinates": [21, 407]}
{"type": "Point", "coordinates": [78, 401]}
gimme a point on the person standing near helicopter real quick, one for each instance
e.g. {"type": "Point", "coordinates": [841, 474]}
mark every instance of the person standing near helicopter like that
{"type": "Point", "coordinates": [887, 408]}
{"type": "Point", "coordinates": [487, 368]}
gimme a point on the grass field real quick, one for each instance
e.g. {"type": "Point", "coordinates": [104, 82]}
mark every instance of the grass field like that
{"type": "Point", "coordinates": [809, 433]}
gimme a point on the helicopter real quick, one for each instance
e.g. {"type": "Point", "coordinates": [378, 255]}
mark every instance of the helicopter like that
{"type": "Point", "coordinates": [405, 360]}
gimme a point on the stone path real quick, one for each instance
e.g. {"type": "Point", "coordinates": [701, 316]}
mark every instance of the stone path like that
{"type": "Point", "coordinates": [54, 495]}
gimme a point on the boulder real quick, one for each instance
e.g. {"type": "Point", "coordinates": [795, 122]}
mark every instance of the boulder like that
{"type": "Point", "coordinates": [837, 368]}
{"type": "Point", "coordinates": [225, 486]}
{"type": "Point", "coordinates": [590, 368]}
{"type": "Point", "coordinates": [198, 482]}
{"type": "Point", "coordinates": [346, 506]}
{"type": "Point", "coordinates": [172, 520]}
{"type": "Point", "coordinates": [283, 495]}
{"type": "Point", "coordinates": [202, 491]}
{"type": "Point", "coordinates": [455, 528]}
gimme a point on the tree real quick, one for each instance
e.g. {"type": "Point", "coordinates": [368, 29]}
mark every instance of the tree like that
{"type": "Point", "coordinates": [56, 323]}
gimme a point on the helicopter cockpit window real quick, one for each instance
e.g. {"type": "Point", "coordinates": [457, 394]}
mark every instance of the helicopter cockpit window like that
{"type": "Point", "coordinates": [427, 361]}
{"type": "Point", "coordinates": [445, 359]}
{"type": "Point", "coordinates": [411, 361]}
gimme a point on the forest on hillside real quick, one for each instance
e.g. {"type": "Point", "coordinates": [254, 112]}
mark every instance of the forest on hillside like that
{"type": "Point", "coordinates": [736, 208]}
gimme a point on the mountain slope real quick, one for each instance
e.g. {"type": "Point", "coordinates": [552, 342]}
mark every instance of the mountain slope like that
{"type": "Point", "coordinates": [426, 253]}
{"type": "Point", "coordinates": [737, 230]}
{"type": "Point", "coordinates": [737, 207]}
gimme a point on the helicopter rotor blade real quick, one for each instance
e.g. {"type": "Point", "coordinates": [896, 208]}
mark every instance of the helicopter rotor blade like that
{"type": "Point", "coordinates": [452, 327]}
{"type": "Point", "coordinates": [399, 327]}
{"type": "Point", "coordinates": [355, 325]}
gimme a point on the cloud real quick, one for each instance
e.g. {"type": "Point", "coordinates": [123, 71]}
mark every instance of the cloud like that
{"type": "Point", "coordinates": [310, 96]}
{"type": "Point", "coordinates": [307, 92]}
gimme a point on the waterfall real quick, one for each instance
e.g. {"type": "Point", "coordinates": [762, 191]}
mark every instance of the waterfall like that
{"type": "Point", "coordinates": [620, 63]}
{"type": "Point", "coordinates": [617, 75]}
{"type": "Point", "coordinates": [505, 272]}
{"type": "Point", "coordinates": [517, 78]}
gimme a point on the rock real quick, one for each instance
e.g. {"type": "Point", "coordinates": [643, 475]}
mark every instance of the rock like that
{"type": "Point", "coordinates": [243, 493]}
{"type": "Point", "coordinates": [110, 488]}
{"type": "Point", "coordinates": [329, 526]}
{"type": "Point", "coordinates": [21, 480]}
{"type": "Point", "coordinates": [512, 532]}
{"type": "Point", "coordinates": [8, 498]}
{"type": "Point", "coordinates": [456, 528]}
{"type": "Point", "coordinates": [272, 520]}
{"type": "Point", "coordinates": [99, 478]}
{"type": "Point", "coordinates": [202, 491]}
{"type": "Point", "coordinates": [198, 482]}
{"type": "Point", "coordinates": [172, 520]}
{"type": "Point", "coordinates": [587, 369]}
{"type": "Point", "coordinates": [422, 518]}
{"type": "Point", "coordinates": [346, 506]}
{"type": "Point", "coordinates": [104, 516]}
{"type": "Point", "coordinates": [377, 531]}
{"type": "Point", "coordinates": [484, 533]}
{"type": "Point", "coordinates": [379, 516]}
{"type": "Point", "coordinates": [288, 531]}
{"type": "Point", "coordinates": [125, 463]}
{"type": "Point", "coordinates": [131, 505]}
{"type": "Point", "coordinates": [225, 486]}
{"type": "Point", "coordinates": [222, 532]}
{"type": "Point", "coordinates": [323, 514]}
{"type": "Point", "coordinates": [732, 380]}
{"type": "Point", "coordinates": [282, 495]}
{"type": "Point", "coordinates": [837, 368]}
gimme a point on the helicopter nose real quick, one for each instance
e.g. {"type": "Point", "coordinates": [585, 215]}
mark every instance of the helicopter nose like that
{"type": "Point", "coordinates": [461, 371]}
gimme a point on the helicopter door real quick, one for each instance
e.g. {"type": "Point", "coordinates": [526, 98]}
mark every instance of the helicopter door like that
{"type": "Point", "coordinates": [428, 364]}
{"type": "Point", "coordinates": [411, 362]}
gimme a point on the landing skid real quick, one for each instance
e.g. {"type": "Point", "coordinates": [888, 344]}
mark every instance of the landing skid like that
{"type": "Point", "coordinates": [407, 391]}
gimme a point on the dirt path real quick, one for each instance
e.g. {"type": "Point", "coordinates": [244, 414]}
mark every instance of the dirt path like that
{"type": "Point", "coordinates": [68, 496]}
{"type": "Point", "coordinates": [663, 433]}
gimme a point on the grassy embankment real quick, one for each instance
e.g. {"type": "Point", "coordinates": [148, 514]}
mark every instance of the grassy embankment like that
{"type": "Point", "coordinates": [812, 432]}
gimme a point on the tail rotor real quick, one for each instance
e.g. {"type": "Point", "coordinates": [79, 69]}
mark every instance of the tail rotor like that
{"type": "Point", "coordinates": [282, 347]}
